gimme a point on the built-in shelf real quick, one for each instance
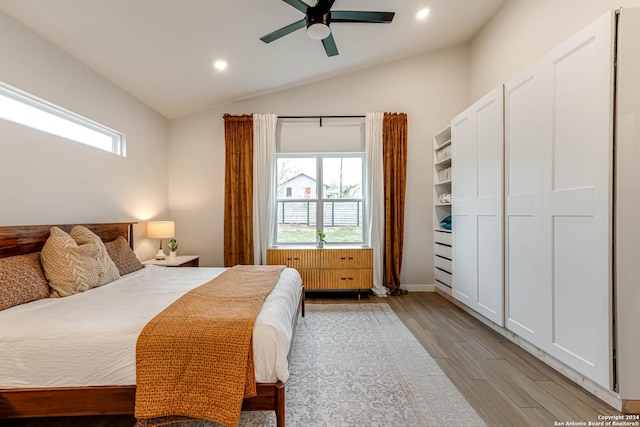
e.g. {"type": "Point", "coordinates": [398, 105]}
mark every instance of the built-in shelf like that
{"type": "Point", "coordinates": [444, 144]}
{"type": "Point", "coordinates": [443, 162]}
{"type": "Point", "coordinates": [442, 238]}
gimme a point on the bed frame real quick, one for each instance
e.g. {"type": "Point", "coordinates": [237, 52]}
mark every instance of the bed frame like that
{"type": "Point", "coordinates": [103, 400]}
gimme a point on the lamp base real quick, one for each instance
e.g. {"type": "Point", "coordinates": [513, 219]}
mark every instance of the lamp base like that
{"type": "Point", "coordinates": [161, 255]}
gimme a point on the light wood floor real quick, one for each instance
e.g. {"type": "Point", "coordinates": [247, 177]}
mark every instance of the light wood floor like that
{"type": "Point", "coordinates": [505, 385]}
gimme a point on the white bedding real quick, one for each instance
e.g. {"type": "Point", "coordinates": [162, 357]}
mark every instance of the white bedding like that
{"type": "Point", "coordinates": [89, 339]}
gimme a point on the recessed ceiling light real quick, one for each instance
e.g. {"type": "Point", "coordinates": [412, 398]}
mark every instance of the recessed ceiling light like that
{"type": "Point", "coordinates": [220, 65]}
{"type": "Point", "coordinates": [422, 13]}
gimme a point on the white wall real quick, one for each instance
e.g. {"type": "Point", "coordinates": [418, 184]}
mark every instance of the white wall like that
{"type": "Point", "coordinates": [627, 230]}
{"type": "Point", "coordinates": [49, 180]}
{"type": "Point", "coordinates": [523, 31]}
{"type": "Point", "coordinates": [430, 88]}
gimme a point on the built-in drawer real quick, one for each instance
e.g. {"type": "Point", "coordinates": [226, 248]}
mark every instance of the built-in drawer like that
{"type": "Point", "coordinates": [353, 278]}
{"type": "Point", "coordinates": [442, 237]}
{"type": "Point", "coordinates": [444, 264]}
{"type": "Point", "coordinates": [295, 258]}
{"type": "Point", "coordinates": [442, 250]}
{"type": "Point", "coordinates": [347, 258]}
{"type": "Point", "coordinates": [443, 277]}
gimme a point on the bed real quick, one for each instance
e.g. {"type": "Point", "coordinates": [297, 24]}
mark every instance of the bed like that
{"type": "Point", "coordinates": [29, 389]}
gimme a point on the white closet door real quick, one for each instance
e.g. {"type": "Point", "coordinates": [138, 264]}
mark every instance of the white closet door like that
{"type": "Point", "coordinates": [477, 161]}
{"type": "Point", "coordinates": [463, 190]}
{"type": "Point", "coordinates": [558, 233]}
{"type": "Point", "coordinates": [489, 202]}
{"type": "Point", "coordinates": [577, 217]}
{"type": "Point", "coordinates": [527, 126]}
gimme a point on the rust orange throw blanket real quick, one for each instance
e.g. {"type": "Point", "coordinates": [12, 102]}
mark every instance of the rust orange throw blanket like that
{"type": "Point", "coordinates": [195, 358]}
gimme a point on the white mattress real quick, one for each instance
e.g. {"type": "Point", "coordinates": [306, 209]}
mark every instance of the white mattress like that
{"type": "Point", "coordinates": [89, 339]}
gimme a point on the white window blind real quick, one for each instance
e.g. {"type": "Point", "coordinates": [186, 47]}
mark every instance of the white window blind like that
{"type": "Point", "coordinates": [336, 135]}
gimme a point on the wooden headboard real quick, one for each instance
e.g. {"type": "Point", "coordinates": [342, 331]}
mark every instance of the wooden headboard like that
{"type": "Point", "coordinates": [24, 239]}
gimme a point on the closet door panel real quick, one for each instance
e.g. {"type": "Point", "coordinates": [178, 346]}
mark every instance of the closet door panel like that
{"type": "Point", "coordinates": [573, 250]}
{"type": "Point", "coordinates": [463, 189]}
{"type": "Point", "coordinates": [464, 173]}
{"type": "Point", "coordinates": [527, 127]}
{"type": "Point", "coordinates": [490, 295]}
{"type": "Point", "coordinates": [579, 202]}
{"type": "Point", "coordinates": [490, 147]}
{"type": "Point", "coordinates": [523, 310]}
{"type": "Point", "coordinates": [488, 209]}
{"type": "Point", "coordinates": [477, 206]}
{"type": "Point", "coordinates": [464, 267]}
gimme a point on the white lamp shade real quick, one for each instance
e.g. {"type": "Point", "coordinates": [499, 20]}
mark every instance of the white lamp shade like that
{"type": "Point", "coordinates": [161, 229]}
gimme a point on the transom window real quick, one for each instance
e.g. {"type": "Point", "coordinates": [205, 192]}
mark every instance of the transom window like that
{"type": "Point", "coordinates": [319, 191]}
{"type": "Point", "coordinates": [25, 109]}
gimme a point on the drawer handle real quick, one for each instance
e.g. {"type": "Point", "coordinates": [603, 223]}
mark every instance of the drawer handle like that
{"type": "Point", "coordinates": [293, 259]}
{"type": "Point", "coordinates": [346, 278]}
{"type": "Point", "coordinates": [347, 258]}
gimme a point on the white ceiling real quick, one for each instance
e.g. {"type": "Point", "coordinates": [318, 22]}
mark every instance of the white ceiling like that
{"type": "Point", "coordinates": [161, 50]}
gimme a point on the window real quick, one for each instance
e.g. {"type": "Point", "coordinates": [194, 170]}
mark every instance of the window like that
{"type": "Point", "coordinates": [25, 109]}
{"type": "Point", "coordinates": [319, 192]}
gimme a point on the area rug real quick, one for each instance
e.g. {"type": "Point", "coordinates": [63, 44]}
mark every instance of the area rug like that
{"type": "Point", "coordinates": [358, 365]}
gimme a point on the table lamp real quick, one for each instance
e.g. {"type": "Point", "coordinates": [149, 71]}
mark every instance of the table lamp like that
{"type": "Point", "coordinates": [161, 230]}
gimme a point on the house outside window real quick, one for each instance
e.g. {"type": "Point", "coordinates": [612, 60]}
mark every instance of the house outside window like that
{"type": "Point", "coordinates": [319, 191]}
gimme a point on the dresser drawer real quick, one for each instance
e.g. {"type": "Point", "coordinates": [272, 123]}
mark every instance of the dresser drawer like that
{"type": "Point", "coordinates": [294, 258]}
{"type": "Point", "coordinates": [328, 269]}
{"type": "Point", "coordinates": [443, 277]}
{"type": "Point", "coordinates": [442, 250]}
{"type": "Point", "coordinates": [347, 258]}
{"type": "Point", "coordinates": [442, 237]}
{"type": "Point", "coordinates": [352, 278]}
{"type": "Point", "coordinates": [310, 279]}
{"type": "Point", "coordinates": [443, 264]}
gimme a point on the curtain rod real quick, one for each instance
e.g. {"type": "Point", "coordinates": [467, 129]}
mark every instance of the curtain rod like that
{"type": "Point", "coordinates": [321, 117]}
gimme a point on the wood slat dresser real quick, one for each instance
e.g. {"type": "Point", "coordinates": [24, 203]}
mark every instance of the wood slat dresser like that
{"type": "Point", "coordinates": [328, 269]}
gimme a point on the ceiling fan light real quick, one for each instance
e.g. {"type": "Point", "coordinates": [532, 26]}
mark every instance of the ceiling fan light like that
{"type": "Point", "coordinates": [318, 31]}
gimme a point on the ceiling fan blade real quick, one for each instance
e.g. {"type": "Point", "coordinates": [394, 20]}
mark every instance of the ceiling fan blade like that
{"type": "Point", "coordinates": [298, 4]}
{"type": "Point", "coordinates": [284, 31]}
{"type": "Point", "coordinates": [361, 16]}
{"type": "Point", "coordinates": [330, 46]}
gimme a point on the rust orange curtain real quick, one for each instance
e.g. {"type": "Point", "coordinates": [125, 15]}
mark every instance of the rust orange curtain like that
{"type": "Point", "coordinates": [394, 152]}
{"type": "Point", "coordinates": [238, 190]}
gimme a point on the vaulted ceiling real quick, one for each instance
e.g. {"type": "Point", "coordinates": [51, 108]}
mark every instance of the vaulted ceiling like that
{"type": "Point", "coordinates": [161, 51]}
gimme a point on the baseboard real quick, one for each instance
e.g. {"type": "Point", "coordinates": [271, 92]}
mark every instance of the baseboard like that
{"type": "Point", "coordinates": [418, 288]}
{"type": "Point", "coordinates": [592, 387]}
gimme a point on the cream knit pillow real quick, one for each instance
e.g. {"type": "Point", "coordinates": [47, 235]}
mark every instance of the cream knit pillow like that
{"type": "Point", "coordinates": [107, 269]}
{"type": "Point", "coordinates": [77, 262]}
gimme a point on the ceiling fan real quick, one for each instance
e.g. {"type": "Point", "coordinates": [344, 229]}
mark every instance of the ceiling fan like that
{"type": "Point", "coordinates": [319, 17]}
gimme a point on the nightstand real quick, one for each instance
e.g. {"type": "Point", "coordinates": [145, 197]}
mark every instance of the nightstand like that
{"type": "Point", "coordinates": [179, 261]}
